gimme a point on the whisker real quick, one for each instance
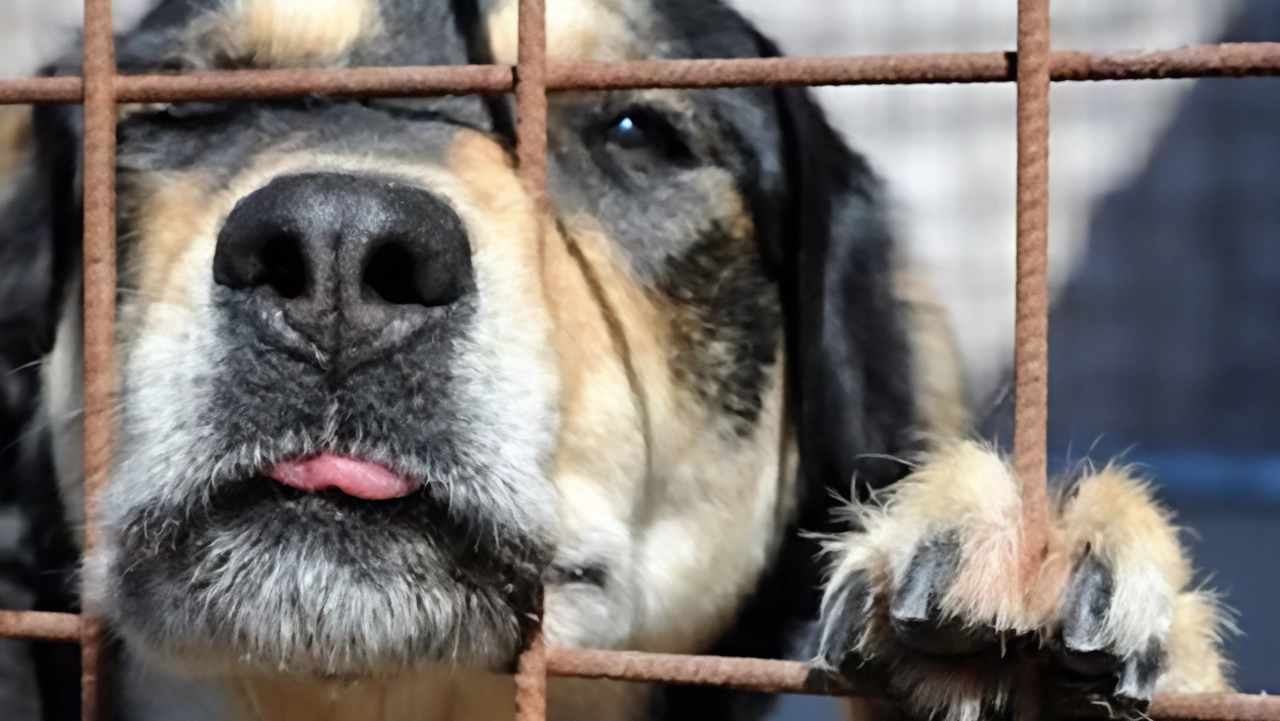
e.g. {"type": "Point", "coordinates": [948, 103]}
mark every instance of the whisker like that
{"type": "Point", "coordinates": [25, 366]}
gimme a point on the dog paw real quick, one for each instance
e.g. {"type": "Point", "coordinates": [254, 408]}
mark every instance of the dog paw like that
{"type": "Point", "coordinates": [932, 592]}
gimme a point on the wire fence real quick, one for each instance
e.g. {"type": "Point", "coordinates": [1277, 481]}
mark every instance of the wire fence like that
{"type": "Point", "coordinates": [1033, 67]}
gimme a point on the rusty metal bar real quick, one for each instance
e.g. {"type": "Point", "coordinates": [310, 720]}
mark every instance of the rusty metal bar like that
{"type": "Point", "coordinates": [768, 676]}
{"type": "Point", "coordinates": [1031, 326]}
{"type": "Point", "coordinates": [531, 97]}
{"type": "Point", "coordinates": [1031, 353]}
{"type": "Point", "coordinates": [1225, 60]}
{"type": "Point", "coordinates": [354, 82]}
{"type": "Point", "coordinates": [864, 70]}
{"type": "Point", "coordinates": [1222, 60]}
{"type": "Point", "coordinates": [531, 681]}
{"type": "Point", "coordinates": [99, 313]}
{"type": "Point", "coordinates": [41, 90]}
{"type": "Point", "coordinates": [1215, 707]}
{"type": "Point", "coordinates": [531, 159]}
{"type": "Point", "coordinates": [747, 674]}
{"type": "Point", "coordinates": [40, 626]}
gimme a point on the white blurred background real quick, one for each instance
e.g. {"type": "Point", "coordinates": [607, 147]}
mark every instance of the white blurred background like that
{"type": "Point", "coordinates": [948, 152]}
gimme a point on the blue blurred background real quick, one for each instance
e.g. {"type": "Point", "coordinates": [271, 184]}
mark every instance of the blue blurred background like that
{"type": "Point", "coordinates": [1165, 340]}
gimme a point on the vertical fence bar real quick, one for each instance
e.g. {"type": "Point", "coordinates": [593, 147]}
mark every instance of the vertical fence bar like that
{"type": "Point", "coordinates": [99, 310]}
{"type": "Point", "coordinates": [531, 153]}
{"type": "Point", "coordinates": [531, 97]}
{"type": "Point", "coordinates": [1031, 330]}
{"type": "Point", "coordinates": [531, 682]}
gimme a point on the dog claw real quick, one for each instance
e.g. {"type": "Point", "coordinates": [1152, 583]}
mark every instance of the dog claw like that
{"type": "Point", "coordinates": [916, 612]}
{"type": "Point", "coordinates": [844, 615]}
{"type": "Point", "coordinates": [1139, 673]}
{"type": "Point", "coordinates": [1084, 649]}
{"type": "Point", "coordinates": [1084, 615]}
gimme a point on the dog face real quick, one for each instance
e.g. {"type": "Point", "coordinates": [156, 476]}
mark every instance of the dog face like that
{"type": "Point", "coordinates": [372, 399]}
{"type": "Point", "coordinates": [318, 282]}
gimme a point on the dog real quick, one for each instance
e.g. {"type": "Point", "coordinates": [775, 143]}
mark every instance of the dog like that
{"type": "Point", "coordinates": [378, 410]}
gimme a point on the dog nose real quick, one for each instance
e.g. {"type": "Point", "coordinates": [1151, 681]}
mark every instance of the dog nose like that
{"type": "Point", "coordinates": [344, 257]}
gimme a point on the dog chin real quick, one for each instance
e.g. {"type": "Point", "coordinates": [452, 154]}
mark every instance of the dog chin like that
{"type": "Point", "coordinates": [267, 579]}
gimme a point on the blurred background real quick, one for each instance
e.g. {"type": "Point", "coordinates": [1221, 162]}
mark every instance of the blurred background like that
{"type": "Point", "coordinates": [1165, 248]}
{"type": "Point", "coordinates": [1165, 255]}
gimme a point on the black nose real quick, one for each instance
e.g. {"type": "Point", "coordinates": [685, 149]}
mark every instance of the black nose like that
{"type": "Point", "coordinates": [345, 258]}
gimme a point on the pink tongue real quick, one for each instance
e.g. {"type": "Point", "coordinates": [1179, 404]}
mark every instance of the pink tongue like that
{"type": "Point", "coordinates": [360, 479]}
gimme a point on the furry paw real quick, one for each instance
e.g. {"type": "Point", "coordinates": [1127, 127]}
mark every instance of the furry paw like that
{"type": "Point", "coordinates": [932, 593]}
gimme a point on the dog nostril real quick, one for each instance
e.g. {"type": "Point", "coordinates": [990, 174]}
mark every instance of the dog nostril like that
{"type": "Point", "coordinates": [283, 266]}
{"type": "Point", "coordinates": [390, 273]}
{"type": "Point", "coordinates": [401, 276]}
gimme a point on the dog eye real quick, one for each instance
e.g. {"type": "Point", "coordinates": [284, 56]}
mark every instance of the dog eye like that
{"type": "Point", "coordinates": [643, 129]}
{"type": "Point", "coordinates": [176, 111]}
{"type": "Point", "coordinates": [188, 111]}
{"type": "Point", "coordinates": [628, 132]}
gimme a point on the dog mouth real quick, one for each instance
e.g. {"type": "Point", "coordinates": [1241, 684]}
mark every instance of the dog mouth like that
{"type": "Point", "coordinates": [348, 475]}
{"type": "Point", "coordinates": [330, 562]}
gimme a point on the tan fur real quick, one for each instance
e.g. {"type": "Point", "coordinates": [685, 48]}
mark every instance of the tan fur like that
{"type": "Point", "coordinates": [430, 696]}
{"type": "Point", "coordinates": [616, 468]}
{"type": "Point", "coordinates": [15, 137]}
{"type": "Point", "coordinates": [602, 30]}
{"type": "Point", "coordinates": [1196, 663]}
{"type": "Point", "coordinates": [966, 487]}
{"type": "Point", "coordinates": [942, 390]}
{"type": "Point", "coordinates": [15, 145]}
{"type": "Point", "coordinates": [290, 33]}
{"type": "Point", "coordinates": [966, 490]}
{"type": "Point", "coordinates": [425, 697]}
{"type": "Point", "coordinates": [1113, 514]}
{"type": "Point", "coordinates": [172, 211]}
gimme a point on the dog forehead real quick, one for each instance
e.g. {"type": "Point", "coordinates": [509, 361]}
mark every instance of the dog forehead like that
{"type": "Point", "coordinates": [205, 34]}
{"type": "Point", "coordinates": [275, 33]}
{"type": "Point", "coordinates": [578, 29]}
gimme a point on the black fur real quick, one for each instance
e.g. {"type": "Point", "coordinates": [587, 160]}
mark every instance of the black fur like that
{"type": "Point", "coordinates": [727, 323]}
{"type": "Point", "coordinates": [825, 240]}
{"type": "Point", "coordinates": [39, 253]}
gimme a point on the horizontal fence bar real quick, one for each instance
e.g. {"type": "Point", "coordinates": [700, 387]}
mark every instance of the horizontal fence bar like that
{"type": "Point", "coordinates": [40, 626]}
{"type": "Point", "coordinates": [259, 84]}
{"type": "Point", "coordinates": [1226, 60]}
{"type": "Point", "coordinates": [1215, 707]}
{"type": "Point", "coordinates": [777, 72]}
{"type": "Point", "coordinates": [748, 674]}
{"type": "Point", "coordinates": [41, 90]}
{"type": "Point", "coordinates": [745, 674]}
{"type": "Point", "coordinates": [794, 677]}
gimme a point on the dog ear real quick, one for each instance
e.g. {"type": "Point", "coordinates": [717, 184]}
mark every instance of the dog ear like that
{"type": "Point", "coordinates": [40, 229]}
{"type": "Point", "coordinates": [848, 348]}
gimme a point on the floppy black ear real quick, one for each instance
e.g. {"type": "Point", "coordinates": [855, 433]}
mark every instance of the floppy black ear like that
{"type": "Point", "coordinates": [826, 241]}
{"type": "Point", "coordinates": [39, 242]}
{"type": "Point", "coordinates": [847, 339]}
{"type": "Point", "coordinates": [40, 226]}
